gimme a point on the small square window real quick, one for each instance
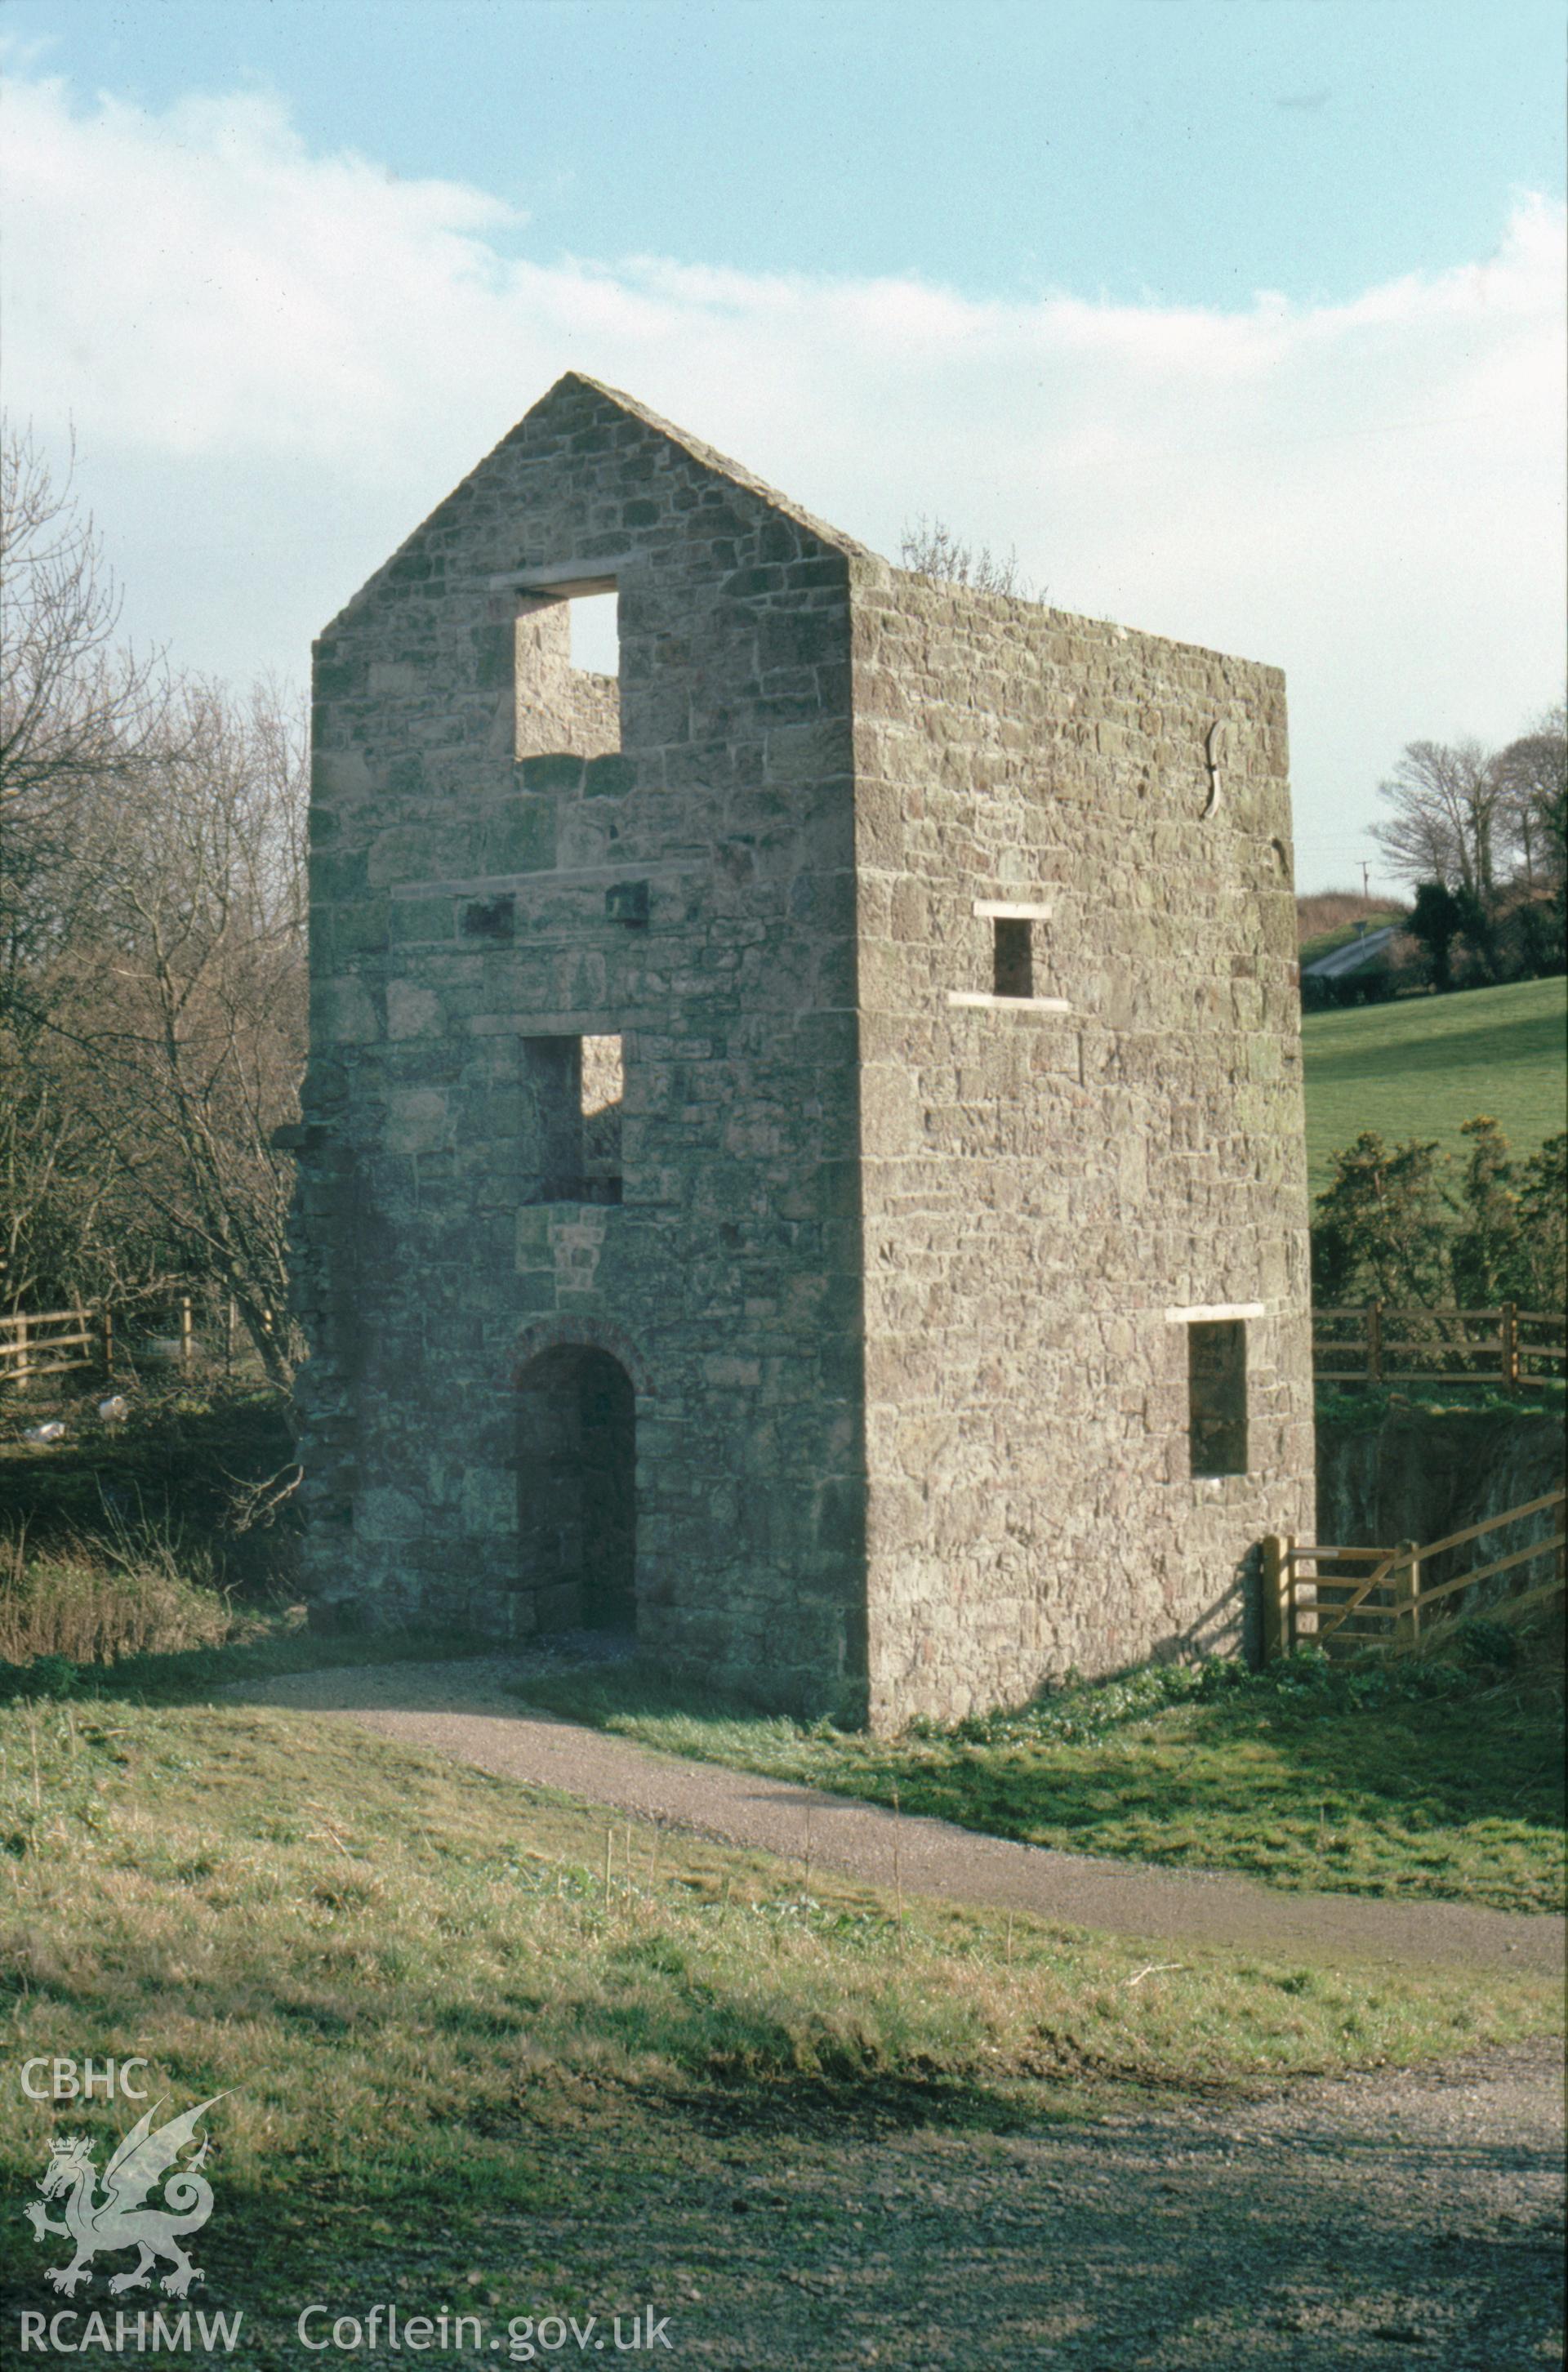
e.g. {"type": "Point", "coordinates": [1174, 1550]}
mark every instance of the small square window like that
{"type": "Point", "coordinates": [1216, 1395]}
{"type": "Point", "coordinates": [1013, 958]}
{"type": "Point", "coordinates": [489, 918]}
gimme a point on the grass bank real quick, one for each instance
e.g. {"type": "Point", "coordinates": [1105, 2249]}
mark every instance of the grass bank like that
{"type": "Point", "coordinates": [375, 1922]}
{"type": "Point", "coordinates": [1435, 1780]}
{"type": "Point", "coordinates": [203, 1464]}
{"type": "Point", "coordinates": [1422, 1066]}
{"type": "Point", "coordinates": [463, 2059]}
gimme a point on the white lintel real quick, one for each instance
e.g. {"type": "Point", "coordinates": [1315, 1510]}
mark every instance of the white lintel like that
{"type": "Point", "coordinates": [566, 579]}
{"type": "Point", "coordinates": [581, 877]}
{"type": "Point", "coordinates": [1005, 910]}
{"type": "Point", "coordinates": [1205, 1312]}
{"type": "Point", "coordinates": [979, 1002]}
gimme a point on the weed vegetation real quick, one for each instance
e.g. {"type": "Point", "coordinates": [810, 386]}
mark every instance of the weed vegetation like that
{"type": "Point", "coordinates": [91, 1598]}
{"type": "Point", "coordinates": [1431, 1778]}
{"type": "Point", "coordinates": [1363, 1408]}
{"type": "Point", "coordinates": [171, 1530]}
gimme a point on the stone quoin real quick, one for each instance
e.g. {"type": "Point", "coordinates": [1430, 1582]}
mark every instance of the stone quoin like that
{"type": "Point", "coordinates": [802, 1153]}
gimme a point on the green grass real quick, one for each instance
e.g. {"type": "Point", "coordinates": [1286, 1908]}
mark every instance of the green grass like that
{"type": "Point", "coordinates": [1432, 1782]}
{"type": "Point", "coordinates": [445, 2038]}
{"type": "Point", "coordinates": [1422, 1066]}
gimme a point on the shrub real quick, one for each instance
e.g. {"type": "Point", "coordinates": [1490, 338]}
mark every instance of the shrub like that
{"type": "Point", "coordinates": [45, 1676]}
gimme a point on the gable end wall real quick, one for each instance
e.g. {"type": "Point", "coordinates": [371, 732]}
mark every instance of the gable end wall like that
{"type": "Point", "coordinates": [716, 786]}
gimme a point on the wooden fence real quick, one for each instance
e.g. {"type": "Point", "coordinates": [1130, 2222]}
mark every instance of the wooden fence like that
{"type": "Point", "coordinates": [1509, 1347]}
{"type": "Point", "coordinates": [54, 1341]}
{"type": "Point", "coordinates": [1387, 1601]}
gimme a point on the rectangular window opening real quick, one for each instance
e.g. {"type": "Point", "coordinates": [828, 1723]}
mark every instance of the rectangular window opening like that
{"type": "Point", "coordinates": [1216, 1395]}
{"type": "Point", "coordinates": [572, 1119]}
{"type": "Point", "coordinates": [566, 675]}
{"type": "Point", "coordinates": [1012, 957]}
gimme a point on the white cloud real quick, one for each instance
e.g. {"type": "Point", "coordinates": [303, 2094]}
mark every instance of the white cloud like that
{"type": "Point", "coordinates": [276, 361]}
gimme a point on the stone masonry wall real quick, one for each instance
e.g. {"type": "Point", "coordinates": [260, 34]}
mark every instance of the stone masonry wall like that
{"type": "Point", "coordinates": [1040, 1188]}
{"type": "Point", "coordinates": [504, 853]}
{"type": "Point", "coordinates": [633, 1029]}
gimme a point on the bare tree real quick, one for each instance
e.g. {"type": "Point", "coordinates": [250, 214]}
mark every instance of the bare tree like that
{"type": "Point", "coordinates": [931, 549]}
{"type": "Point", "coordinates": [1532, 778]}
{"type": "Point", "coordinates": [76, 714]}
{"type": "Point", "coordinates": [152, 966]}
{"type": "Point", "coordinates": [192, 1015]}
{"type": "Point", "coordinates": [1445, 797]}
{"type": "Point", "coordinates": [75, 706]}
{"type": "Point", "coordinates": [154, 1038]}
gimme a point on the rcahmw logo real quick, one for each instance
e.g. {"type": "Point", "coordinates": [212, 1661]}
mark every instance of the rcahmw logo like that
{"type": "Point", "coordinates": [151, 2197]}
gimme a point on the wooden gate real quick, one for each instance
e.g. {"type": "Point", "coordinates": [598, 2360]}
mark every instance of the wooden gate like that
{"type": "Point", "coordinates": [1385, 1601]}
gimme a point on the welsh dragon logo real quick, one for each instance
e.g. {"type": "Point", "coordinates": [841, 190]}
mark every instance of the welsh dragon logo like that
{"type": "Point", "coordinates": [120, 2219]}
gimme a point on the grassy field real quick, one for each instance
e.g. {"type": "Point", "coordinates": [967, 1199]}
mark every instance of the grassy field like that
{"type": "Point", "coordinates": [1438, 1783]}
{"type": "Point", "coordinates": [447, 2044]}
{"type": "Point", "coordinates": [1422, 1067]}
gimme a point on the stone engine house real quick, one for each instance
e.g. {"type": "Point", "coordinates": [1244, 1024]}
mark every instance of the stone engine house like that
{"type": "Point", "coordinates": [802, 1154]}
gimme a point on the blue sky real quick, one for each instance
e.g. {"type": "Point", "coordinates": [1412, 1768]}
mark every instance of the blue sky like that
{"type": "Point", "coordinates": [1190, 151]}
{"type": "Point", "coordinates": [1241, 321]}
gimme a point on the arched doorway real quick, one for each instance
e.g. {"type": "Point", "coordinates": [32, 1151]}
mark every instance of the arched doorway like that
{"type": "Point", "coordinates": [576, 1489]}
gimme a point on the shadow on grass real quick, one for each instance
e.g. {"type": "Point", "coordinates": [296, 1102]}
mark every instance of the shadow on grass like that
{"type": "Point", "coordinates": [608, 2198]}
{"type": "Point", "coordinates": [175, 1461]}
{"type": "Point", "coordinates": [719, 2057]}
{"type": "Point", "coordinates": [188, 1675]}
{"type": "Point", "coordinates": [1462, 1045]}
{"type": "Point", "coordinates": [1430, 1780]}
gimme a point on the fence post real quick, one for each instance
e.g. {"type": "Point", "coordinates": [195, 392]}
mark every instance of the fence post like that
{"type": "Point", "coordinates": [1278, 1573]}
{"type": "Point", "coordinates": [1374, 1344]}
{"type": "Point", "coordinates": [106, 1342]}
{"type": "Point", "coordinates": [186, 1347]}
{"type": "Point", "coordinates": [20, 1369]}
{"type": "Point", "coordinates": [1407, 1614]}
{"type": "Point", "coordinates": [1510, 1346]}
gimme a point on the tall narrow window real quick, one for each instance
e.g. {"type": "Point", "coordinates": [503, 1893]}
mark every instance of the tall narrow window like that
{"type": "Point", "coordinates": [1013, 969]}
{"type": "Point", "coordinates": [1216, 1395]}
{"type": "Point", "coordinates": [571, 1150]}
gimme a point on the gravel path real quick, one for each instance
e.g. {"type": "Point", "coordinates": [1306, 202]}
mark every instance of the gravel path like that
{"type": "Point", "coordinates": [1338, 2224]}
{"type": "Point", "coordinates": [1371, 2220]}
{"type": "Point", "coordinates": [462, 1709]}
